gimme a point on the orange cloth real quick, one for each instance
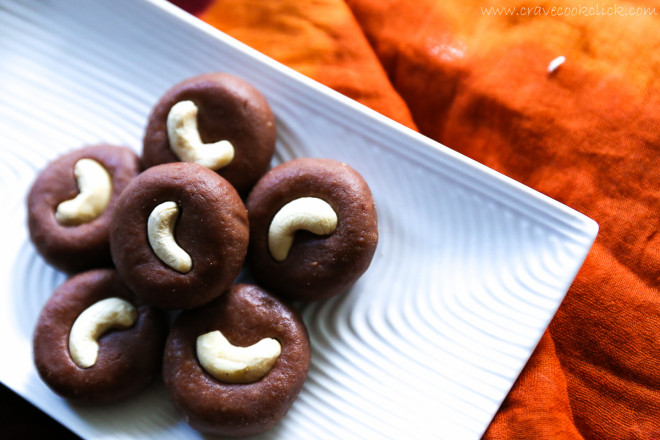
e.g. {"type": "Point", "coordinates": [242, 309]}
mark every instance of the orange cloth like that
{"type": "Point", "coordinates": [587, 134]}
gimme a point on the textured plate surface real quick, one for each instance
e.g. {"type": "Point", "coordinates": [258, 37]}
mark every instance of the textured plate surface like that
{"type": "Point", "coordinates": [470, 268]}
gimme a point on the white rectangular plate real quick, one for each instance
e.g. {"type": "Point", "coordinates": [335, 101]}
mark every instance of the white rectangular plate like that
{"type": "Point", "coordinates": [470, 268]}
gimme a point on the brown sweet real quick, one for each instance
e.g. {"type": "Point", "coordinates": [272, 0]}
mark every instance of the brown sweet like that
{"type": "Point", "coordinates": [229, 109]}
{"type": "Point", "coordinates": [85, 246]}
{"type": "Point", "coordinates": [318, 266]}
{"type": "Point", "coordinates": [128, 358]}
{"type": "Point", "coordinates": [212, 228]}
{"type": "Point", "coordinates": [245, 314]}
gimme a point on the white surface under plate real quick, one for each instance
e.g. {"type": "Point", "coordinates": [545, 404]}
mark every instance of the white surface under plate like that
{"type": "Point", "coordinates": [470, 267]}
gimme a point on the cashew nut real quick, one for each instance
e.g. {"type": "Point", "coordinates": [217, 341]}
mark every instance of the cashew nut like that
{"type": "Point", "coordinates": [232, 364]}
{"type": "Point", "coordinates": [160, 231]}
{"type": "Point", "coordinates": [95, 189]}
{"type": "Point", "coordinates": [186, 143]}
{"type": "Point", "coordinates": [92, 323]}
{"type": "Point", "coordinates": [308, 213]}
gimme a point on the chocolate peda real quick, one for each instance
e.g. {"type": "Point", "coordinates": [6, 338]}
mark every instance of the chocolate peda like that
{"type": "Point", "coordinates": [71, 202]}
{"type": "Point", "coordinates": [95, 341]}
{"type": "Point", "coordinates": [235, 366]}
{"type": "Point", "coordinates": [216, 120]}
{"type": "Point", "coordinates": [179, 235]}
{"type": "Point", "coordinates": [313, 229]}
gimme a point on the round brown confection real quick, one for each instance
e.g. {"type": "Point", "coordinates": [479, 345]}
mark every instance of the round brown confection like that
{"type": "Point", "coordinates": [318, 266]}
{"type": "Point", "coordinates": [128, 359]}
{"type": "Point", "coordinates": [212, 228]}
{"type": "Point", "coordinates": [245, 315]}
{"type": "Point", "coordinates": [85, 246]}
{"type": "Point", "coordinates": [229, 109]}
